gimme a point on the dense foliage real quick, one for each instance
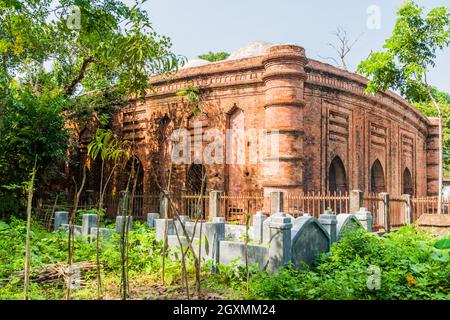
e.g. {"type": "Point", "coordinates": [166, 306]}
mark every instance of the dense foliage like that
{"type": "Point", "coordinates": [409, 53]}
{"type": "Point", "coordinates": [412, 267]}
{"type": "Point", "coordinates": [144, 257]}
{"type": "Point", "coordinates": [67, 62]}
{"type": "Point", "coordinates": [32, 128]}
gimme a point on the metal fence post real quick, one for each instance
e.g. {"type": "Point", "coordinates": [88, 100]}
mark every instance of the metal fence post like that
{"type": "Point", "coordinates": [276, 201]}
{"type": "Point", "coordinates": [356, 201]}
{"type": "Point", "coordinates": [408, 208]}
{"type": "Point", "coordinates": [386, 211]}
{"type": "Point", "coordinates": [214, 203]}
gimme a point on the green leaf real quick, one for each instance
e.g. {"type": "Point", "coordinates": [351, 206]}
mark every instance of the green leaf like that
{"type": "Point", "coordinates": [3, 225]}
{"type": "Point", "coordinates": [442, 244]}
{"type": "Point", "coordinates": [442, 256]}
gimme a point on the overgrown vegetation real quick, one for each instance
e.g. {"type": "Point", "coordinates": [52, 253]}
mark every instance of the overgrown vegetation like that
{"type": "Point", "coordinates": [410, 264]}
{"type": "Point", "coordinates": [144, 259]}
{"type": "Point", "coordinates": [61, 69]}
{"type": "Point", "coordinates": [30, 127]}
{"type": "Point", "coordinates": [412, 267]}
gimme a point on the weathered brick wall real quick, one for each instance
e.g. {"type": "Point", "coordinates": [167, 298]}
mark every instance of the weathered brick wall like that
{"type": "Point", "coordinates": [321, 112]}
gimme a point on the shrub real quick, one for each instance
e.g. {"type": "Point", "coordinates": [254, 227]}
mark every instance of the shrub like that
{"type": "Point", "coordinates": [411, 268]}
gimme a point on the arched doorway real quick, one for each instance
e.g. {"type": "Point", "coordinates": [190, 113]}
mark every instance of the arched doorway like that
{"type": "Point", "coordinates": [196, 174]}
{"type": "Point", "coordinates": [337, 178]}
{"type": "Point", "coordinates": [377, 181]}
{"type": "Point", "coordinates": [196, 185]}
{"type": "Point", "coordinates": [407, 182]}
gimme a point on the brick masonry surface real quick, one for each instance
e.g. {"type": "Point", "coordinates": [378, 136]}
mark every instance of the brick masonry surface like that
{"type": "Point", "coordinates": [332, 136]}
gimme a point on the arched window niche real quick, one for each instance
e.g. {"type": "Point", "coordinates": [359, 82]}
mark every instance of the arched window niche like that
{"type": "Point", "coordinates": [337, 177]}
{"type": "Point", "coordinates": [407, 182]}
{"type": "Point", "coordinates": [377, 180]}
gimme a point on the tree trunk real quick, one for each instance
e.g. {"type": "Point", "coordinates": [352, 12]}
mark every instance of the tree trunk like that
{"type": "Point", "coordinates": [71, 220]}
{"type": "Point", "coordinates": [97, 239]}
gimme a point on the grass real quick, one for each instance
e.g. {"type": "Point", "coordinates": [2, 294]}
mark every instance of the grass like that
{"type": "Point", "coordinates": [413, 263]}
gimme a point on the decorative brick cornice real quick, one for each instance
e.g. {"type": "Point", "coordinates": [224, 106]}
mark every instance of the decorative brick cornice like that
{"type": "Point", "coordinates": [250, 72]}
{"type": "Point", "coordinates": [283, 74]}
{"type": "Point", "coordinates": [325, 75]}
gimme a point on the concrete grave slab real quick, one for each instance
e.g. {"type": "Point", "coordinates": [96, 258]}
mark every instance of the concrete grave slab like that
{"type": "Point", "coordinates": [347, 223]}
{"type": "Point", "coordinates": [309, 241]}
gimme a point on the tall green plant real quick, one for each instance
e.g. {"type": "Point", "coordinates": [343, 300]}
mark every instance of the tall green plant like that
{"type": "Point", "coordinates": [108, 147]}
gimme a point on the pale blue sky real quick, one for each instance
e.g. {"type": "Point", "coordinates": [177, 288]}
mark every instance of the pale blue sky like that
{"type": "Point", "coordinates": [199, 26]}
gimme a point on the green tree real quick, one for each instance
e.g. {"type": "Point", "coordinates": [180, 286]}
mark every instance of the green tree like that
{"type": "Point", "coordinates": [32, 128]}
{"type": "Point", "coordinates": [407, 57]}
{"type": "Point", "coordinates": [214, 56]}
{"type": "Point", "coordinates": [96, 66]}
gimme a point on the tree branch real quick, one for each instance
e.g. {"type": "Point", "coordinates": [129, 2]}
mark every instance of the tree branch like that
{"type": "Point", "coordinates": [343, 47]}
{"type": "Point", "coordinates": [81, 74]}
